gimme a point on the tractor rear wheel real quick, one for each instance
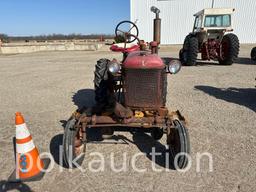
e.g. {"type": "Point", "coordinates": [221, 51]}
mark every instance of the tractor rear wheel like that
{"type": "Point", "coordinates": [100, 80]}
{"type": "Point", "coordinates": [179, 145]}
{"type": "Point", "coordinates": [165, 86]}
{"type": "Point", "coordinates": [229, 49]}
{"type": "Point", "coordinates": [104, 98]}
{"type": "Point", "coordinates": [253, 54]}
{"type": "Point", "coordinates": [157, 133]}
{"type": "Point", "coordinates": [188, 54]}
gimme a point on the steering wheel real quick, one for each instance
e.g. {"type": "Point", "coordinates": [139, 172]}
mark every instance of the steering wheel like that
{"type": "Point", "coordinates": [124, 29]}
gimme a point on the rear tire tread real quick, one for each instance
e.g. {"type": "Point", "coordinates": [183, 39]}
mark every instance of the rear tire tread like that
{"type": "Point", "coordinates": [233, 51]}
{"type": "Point", "coordinates": [188, 54]}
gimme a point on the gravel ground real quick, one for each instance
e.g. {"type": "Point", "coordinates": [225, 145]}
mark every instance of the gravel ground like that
{"type": "Point", "coordinates": [218, 101]}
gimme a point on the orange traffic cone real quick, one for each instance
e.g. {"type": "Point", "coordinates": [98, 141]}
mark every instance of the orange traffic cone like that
{"type": "Point", "coordinates": [29, 166]}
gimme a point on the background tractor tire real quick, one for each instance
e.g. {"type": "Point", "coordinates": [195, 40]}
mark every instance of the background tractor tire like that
{"type": "Point", "coordinates": [253, 54]}
{"type": "Point", "coordinates": [229, 48]}
{"type": "Point", "coordinates": [182, 56]}
{"type": "Point", "coordinates": [188, 54]}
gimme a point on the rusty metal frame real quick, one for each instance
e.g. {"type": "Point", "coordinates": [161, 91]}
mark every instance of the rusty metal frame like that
{"type": "Point", "coordinates": [145, 123]}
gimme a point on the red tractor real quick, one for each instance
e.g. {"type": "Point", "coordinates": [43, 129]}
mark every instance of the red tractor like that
{"type": "Point", "coordinates": [130, 96]}
{"type": "Point", "coordinates": [208, 38]}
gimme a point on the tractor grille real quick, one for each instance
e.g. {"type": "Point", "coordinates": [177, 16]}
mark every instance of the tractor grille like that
{"type": "Point", "coordinates": [145, 88]}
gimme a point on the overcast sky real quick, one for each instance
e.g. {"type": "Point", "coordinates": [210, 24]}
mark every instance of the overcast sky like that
{"type": "Point", "coordinates": [36, 17]}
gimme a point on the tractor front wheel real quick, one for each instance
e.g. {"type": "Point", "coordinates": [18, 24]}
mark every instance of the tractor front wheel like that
{"type": "Point", "coordinates": [73, 145]}
{"type": "Point", "coordinates": [229, 49]}
{"type": "Point", "coordinates": [179, 145]}
{"type": "Point", "coordinates": [253, 54]}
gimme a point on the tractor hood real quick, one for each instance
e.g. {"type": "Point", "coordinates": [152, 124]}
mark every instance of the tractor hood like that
{"type": "Point", "coordinates": [143, 60]}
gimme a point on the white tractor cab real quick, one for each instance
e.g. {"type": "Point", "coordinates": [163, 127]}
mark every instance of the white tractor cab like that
{"type": "Point", "coordinates": [214, 18]}
{"type": "Point", "coordinates": [208, 37]}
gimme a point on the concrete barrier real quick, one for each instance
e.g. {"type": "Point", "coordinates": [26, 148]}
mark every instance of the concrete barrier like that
{"type": "Point", "coordinates": [16, 48]}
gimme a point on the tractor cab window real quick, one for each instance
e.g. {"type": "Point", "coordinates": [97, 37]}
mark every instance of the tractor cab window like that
{"type": "Point", "coordinates": [198, 22]}
{"type": "Point", "coordinates": [217, 21]}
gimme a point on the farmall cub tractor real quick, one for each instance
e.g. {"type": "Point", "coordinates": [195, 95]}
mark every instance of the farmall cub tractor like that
{"type": "Point", "coordinates": [130, 96]}
{"type": "Point", "coordinates": [210, 39]}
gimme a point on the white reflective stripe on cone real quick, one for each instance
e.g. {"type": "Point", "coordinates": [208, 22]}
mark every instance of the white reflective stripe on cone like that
{"type": "Point", "coordinates": [22, 131]}
{"type": "Point", "coordinates": [25, 148]}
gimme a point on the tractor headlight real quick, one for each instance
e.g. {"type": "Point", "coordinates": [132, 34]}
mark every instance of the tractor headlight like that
{"type": "Point", "coordinates": [114, 67]}
{"type": "Point", "coordinates": [174, 66]}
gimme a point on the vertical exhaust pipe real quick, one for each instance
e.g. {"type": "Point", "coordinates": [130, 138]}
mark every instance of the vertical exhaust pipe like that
{"type": "Point", "coordinates": [157, 28]}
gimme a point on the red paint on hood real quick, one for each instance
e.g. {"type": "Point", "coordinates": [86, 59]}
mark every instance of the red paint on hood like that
{"type": "Point", "coordinates": [143, 60]}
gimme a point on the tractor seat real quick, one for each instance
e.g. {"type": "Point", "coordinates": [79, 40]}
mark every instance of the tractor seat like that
{"type": "Point", "coordinates": [119, 47]}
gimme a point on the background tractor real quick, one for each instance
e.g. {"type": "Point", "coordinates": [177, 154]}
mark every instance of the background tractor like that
{"type": "Point", "coordinates": [253, 54]}
{"type": "Point", "coordinates": [210, 38]}
{"type": "Point", "coordinates": [130, 96]}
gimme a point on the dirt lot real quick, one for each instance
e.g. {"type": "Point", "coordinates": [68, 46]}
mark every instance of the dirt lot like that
{"type": "Point", "coordinates": [218, 101]}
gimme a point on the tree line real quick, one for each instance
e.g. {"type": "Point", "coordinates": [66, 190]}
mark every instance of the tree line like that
{"type": "Point", "coordinates": [6, 38]}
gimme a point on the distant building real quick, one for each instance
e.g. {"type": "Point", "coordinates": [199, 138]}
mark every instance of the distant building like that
{"type": "Point", "coordinates": [177, 18]}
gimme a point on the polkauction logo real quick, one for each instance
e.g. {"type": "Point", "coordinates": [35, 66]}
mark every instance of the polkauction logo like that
{"type": "Point", "coordinates": [98, 163]}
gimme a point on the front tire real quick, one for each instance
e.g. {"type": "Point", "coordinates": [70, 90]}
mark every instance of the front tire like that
{"type": "Point", "coordinates": [229, 49]}
{"type": "Point", "coordinates": [179, 144]}
{"type": "Point", "coordinates": [188, 54]}
{"type": "Point", "coordinates": [253, 54]}
{"type": "Point", "coordinates": [73, 147]}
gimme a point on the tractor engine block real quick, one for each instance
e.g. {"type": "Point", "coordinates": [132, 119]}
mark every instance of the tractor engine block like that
{"type": "Point", "coordinates": [210, 49]}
